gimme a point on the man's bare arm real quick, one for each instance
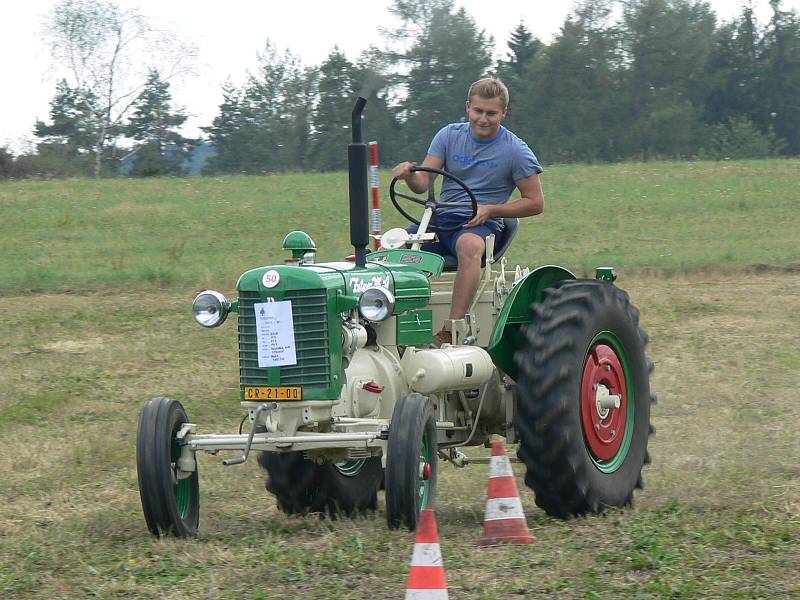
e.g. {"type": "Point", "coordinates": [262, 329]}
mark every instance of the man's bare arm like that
{"type": "Point", "coordinates": [418, 180]}
{"type": "Point", "coordinates": [531, 202]}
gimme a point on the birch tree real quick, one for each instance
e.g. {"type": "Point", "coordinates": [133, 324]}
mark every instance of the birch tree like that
{"type": "Point", "coordinates": [107, 53]}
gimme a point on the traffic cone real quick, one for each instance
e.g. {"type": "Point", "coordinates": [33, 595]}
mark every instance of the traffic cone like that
{"type": "Point", "coordinates": [426, 580]}
{"type": "Point", "coordinates": [504, 522]}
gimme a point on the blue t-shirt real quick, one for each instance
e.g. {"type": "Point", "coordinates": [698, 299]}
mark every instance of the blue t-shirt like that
{"type": "Point", "coordinates": [490, 168]}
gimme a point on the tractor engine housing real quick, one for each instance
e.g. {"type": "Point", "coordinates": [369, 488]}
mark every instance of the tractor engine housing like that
{"type": "Point", "coordinates": [448, 368]}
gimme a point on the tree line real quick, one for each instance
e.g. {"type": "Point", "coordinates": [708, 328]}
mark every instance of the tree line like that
{"type": "Point", "coordinates": [621, 80]}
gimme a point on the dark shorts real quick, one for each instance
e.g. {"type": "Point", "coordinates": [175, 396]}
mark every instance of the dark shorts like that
{"type": "Point", "coordinates": [448, 239]}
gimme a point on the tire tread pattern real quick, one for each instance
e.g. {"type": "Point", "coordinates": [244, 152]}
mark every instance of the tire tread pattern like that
{"type": "Point", "coordinates": [413, 417]}
{"type": "Point", "coordinates": [158, 421]}
{"type": "Point", "coordinates": [301, 486]}
{"type": "Point", "coordinates": [559, 469]}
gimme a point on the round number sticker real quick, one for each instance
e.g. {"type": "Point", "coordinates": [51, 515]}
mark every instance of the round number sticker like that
{"type": "Point", "coordinates": [271, 279]}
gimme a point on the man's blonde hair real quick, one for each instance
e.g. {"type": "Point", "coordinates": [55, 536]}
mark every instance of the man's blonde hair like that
{"type": "Point", "coordinates": [489, 87]}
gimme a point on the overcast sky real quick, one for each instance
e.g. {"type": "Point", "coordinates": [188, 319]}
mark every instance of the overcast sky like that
{"type": "Point", "coordinates": [228, 39]}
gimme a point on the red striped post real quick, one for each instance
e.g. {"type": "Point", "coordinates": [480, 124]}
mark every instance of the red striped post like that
{"type": "Point", "coordinates": [375, 184]}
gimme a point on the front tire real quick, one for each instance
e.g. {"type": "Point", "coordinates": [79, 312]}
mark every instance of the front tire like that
{"type": "Point", "coordinates": [584, 399]}
{"type": "Point", "coordinates": [301, 486]}
{"type": "Point", "coordinates": [170, 498]}
{"type": "Point", "coordinates": [411, 459]}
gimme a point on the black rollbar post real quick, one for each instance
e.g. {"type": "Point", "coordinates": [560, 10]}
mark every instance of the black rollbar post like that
{"type": "Point", "coordinates": [359, 190]}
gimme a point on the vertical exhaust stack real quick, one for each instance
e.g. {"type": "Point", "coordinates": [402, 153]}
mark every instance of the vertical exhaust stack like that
{"type": "Point", "coordinates": [359, 197]}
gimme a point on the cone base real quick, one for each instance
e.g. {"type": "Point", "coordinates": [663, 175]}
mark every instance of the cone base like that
{"type": "Point", "coordinates": [427, 595]}
{"type": "Point", "coordinates": [507, 540]}
{"type": "Point", "coordinates": [506, 531]}
{"type": "Point", "coordinates": [505, 520]}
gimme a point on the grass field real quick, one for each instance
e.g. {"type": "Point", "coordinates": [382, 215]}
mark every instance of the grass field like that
{"type": "Point", "coordinates": [97, 281]}
{"type": "Point", "coordinates": [191, 233]}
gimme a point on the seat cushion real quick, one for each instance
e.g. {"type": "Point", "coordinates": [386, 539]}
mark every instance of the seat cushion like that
{"type": "Point", "coordinates": [510, 227]}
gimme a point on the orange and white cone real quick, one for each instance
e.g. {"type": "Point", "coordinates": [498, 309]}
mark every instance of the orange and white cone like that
{"type": "Point", "coordinates": [505, 521]}
{"type": "Point", "coordinates": [426, 580]}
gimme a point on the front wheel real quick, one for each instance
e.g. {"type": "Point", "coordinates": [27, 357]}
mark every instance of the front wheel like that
{"type": "Point", "coordinates": [410, 461]}
{"type": "Point", "coordinates": [301, 486]}
{"type": "Point", "coordinates": [584, 399]}
{"type": "Point", "coordinates": [170, 496]}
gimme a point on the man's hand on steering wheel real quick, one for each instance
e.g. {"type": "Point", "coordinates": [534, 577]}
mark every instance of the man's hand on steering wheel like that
{"type": "Point", "coordinates": [406, 171]}
{"type": "Point", "coordinates": [416, 178]}
{"type": "Point", "coordinates": [485, 213]}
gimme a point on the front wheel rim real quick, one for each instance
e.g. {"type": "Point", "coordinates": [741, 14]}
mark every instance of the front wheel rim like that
{"type": "Point", "coordinates": [425, 476]}
{"type": "Point", "coordinates": [350, 468]}
{"type": "Point", "coordinates": [607, 403]}
{"type": "Point", "coordinates": [182, 488]}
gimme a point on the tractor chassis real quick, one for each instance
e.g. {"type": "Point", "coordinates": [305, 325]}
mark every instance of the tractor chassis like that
{"type": "Point", "coordinates": [356, 437]}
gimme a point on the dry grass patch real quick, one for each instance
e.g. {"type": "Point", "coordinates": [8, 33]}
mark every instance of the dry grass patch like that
{"type": "Point", "coordinates": [720, 515]}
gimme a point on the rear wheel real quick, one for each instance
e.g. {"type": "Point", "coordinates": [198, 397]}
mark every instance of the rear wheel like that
{"type": "Point", "coordinates": [411, 461]}
{"type": "Point", "coordinates": [302, 486]}
{"type": "Point", "coordinates": [170, 497]}
{"type": "Point", "coordinates": [584, 399]}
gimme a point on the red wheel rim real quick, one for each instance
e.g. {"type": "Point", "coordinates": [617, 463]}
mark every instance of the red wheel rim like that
{"type": "Point", "coordinates": [603, 423]}
{"type": "Point", "coordinates": [426, 471]}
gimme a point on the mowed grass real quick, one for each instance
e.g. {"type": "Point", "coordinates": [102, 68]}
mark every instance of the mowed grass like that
{"type": "Point", "coordinates": [88, 337]}
{"type": "Point", "coordinates": [720, 515]}
{"type": "Point", "coordinates": [196, 232]}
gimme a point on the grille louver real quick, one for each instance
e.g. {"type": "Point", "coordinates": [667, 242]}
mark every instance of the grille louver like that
{"type": "Point", "coordinates": [309, 313]}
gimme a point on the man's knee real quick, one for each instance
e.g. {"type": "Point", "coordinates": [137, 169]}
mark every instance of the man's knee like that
{"type": "Point", "coordinates": [470, 248]}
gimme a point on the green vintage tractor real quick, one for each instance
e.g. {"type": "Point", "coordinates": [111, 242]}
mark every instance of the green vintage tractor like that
{"type": "Point", "coordinates": [344, 394]}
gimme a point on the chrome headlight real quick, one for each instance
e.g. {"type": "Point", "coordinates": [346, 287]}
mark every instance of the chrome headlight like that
{"type": "Point", "coordinates": [376, 304]}
{"type": "Point", "coordinates": [210, 308]}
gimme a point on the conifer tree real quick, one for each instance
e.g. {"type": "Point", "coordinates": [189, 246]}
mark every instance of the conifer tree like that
{"type": "Point", "coordinates": [264, 127]}
{"type": "Point", "coordinates": [523, 49]}
{"type": "Point", "coordinates": [73, 114]}
{"type": "Point", "coordinates": [569, 111]}
{"type": "Point", "coordinates": [780, 53]}
{"type": "Point", "coordinates": [71, 135]}
{"type": "Point", "coordinates": [370, 74]}
{"type": "Point", "coordinates": [332, 114]}
{"type": "Point", "coordinates": [227, 134]}
{"type": "Point", "coordinates": [161, 148]}
{"type": "Point", "coordinates": [448, 52]}
{"type": "Point", "coordinates": [733, 71]}
{"type": "Point", "coordinates": [667, 44]}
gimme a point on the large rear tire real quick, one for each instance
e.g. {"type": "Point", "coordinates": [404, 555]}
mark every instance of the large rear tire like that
{"type": "Point", "coordinates": [170, 498]}
{"type": "Point", "coordinates": [584, 399]}
{"type": "Point", "coordinates": [302, 486]}
{"type": "Point", "coordinates": [411, 468]}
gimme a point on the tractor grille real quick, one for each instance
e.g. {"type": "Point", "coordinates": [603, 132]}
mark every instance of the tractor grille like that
{"type": "Point", "coordinates": [309, 313]}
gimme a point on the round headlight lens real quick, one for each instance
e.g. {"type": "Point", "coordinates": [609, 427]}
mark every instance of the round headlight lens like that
{"type": "Point", "coordinates": [376, 304]}
{"type": "Point", "coordinates": [210, 308]}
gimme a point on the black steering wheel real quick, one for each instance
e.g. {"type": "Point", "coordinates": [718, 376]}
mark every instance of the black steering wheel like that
{"type": "Point", "coordinates": [431, 201]}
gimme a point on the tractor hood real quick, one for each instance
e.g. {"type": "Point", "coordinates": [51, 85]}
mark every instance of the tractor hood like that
{"type": "Point", "coordinates": [319, 294]}
{"type": "Point", "coordinates": [407, 283]}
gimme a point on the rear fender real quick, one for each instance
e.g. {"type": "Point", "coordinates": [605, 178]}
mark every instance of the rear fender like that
{"type": "Point", "coordinates": [506, 336]}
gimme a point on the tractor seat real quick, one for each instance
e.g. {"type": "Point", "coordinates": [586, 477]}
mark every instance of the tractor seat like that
{"type": "Point", "coordinates": [510, 227]}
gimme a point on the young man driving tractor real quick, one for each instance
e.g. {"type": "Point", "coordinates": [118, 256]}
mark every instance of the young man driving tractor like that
{"type": "Point", "coordinates": [492, 161]}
